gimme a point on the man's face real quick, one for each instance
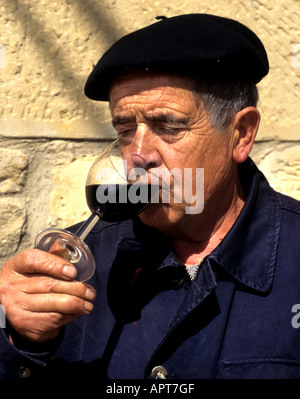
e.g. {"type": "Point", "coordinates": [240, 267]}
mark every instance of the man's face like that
{"type": "Point", "coordinates": [161, 125]}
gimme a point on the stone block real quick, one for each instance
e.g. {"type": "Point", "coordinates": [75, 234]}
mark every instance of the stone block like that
{"type": "Point", "coordinates": [13, 217]}
{"type": "Point", "coordinates": [281, 165]}
{"type": "Point", "coordinates": [13, 164]}
{"type": "Point", "coordinates": [68, 204]}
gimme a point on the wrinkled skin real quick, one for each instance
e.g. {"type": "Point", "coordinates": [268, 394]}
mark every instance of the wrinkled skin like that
{"type": "Point", "coordinates": [161, 125]}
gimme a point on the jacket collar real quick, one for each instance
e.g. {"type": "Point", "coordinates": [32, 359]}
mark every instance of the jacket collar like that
{"type": "Point", "coordinates": [247, 252]}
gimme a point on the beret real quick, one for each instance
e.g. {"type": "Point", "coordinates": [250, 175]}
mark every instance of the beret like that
{"type": "Point", "coordinates": [203, 45]}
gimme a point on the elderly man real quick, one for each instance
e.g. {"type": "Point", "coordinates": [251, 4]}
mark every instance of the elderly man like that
{"type": "Point", "coordinates": [210, 294]}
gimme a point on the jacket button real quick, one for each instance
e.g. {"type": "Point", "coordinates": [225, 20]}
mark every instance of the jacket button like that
{"type": "Point", "coordinates": [24, 372]}
{"type": "Point", "coordinates": [177, 283]}
{"type": "Point", "coordinates": [159, 373]}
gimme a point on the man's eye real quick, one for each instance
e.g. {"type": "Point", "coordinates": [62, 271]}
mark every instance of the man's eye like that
{"type": "Point", "coordinates": [123, 132]}
{"type": "Point", "coordinates": [166, 129]}
{"type": "Point", "coordinates": [125, 136]}
{"type": "Point", "coordinates": [126, 130]}
{"type": "Point", "coordinates": [170, 131]}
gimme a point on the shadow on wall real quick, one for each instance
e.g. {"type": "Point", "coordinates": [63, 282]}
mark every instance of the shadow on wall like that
{"type": "Point", "coordinates": [41, 35]}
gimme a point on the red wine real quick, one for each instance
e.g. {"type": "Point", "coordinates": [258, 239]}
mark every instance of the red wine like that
{"type": "Point", "coordinates": [118, 201]}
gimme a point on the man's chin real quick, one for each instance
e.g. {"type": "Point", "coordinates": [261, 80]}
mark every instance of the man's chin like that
{"type": "Point", "coordinates": [161, 216]}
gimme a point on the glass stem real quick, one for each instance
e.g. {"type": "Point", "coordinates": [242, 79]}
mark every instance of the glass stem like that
{"type": "Point", "coordinates": [87, 226]}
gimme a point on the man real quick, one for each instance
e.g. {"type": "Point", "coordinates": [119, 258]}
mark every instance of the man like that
{"type": "Point", "coordinates": [208, 294]}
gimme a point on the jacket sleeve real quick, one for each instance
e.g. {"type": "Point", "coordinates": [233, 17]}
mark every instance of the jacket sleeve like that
{"type": "Point", "coordinates": [26, 360]}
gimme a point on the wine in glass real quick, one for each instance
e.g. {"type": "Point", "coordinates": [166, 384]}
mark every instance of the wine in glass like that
{"type": "Point", "coordinates": [113, 193]}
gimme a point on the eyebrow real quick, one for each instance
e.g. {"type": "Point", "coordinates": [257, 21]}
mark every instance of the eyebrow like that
{"type": "Point", "coordinates": [122, 120]}
{"type": "Point", "coordinates": [164, 118]}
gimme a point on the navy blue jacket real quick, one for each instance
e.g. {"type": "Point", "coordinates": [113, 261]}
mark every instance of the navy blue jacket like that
{"type": "Point", "coordinates": [237, 319]}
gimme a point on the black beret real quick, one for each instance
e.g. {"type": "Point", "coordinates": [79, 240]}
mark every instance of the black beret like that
{"type": "Point", "coordinates": [202, 45]}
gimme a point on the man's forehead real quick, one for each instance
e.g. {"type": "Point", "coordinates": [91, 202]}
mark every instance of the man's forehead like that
{"type": "Point", "coordinates": [138, 82]}
{"type": "Point", "coordinates": [152, 97]}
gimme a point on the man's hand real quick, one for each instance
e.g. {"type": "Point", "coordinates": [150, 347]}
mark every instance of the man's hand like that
{"type": "Point", "coordinates": [39, 294]}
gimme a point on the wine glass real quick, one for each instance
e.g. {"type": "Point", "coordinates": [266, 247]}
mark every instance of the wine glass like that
{"type": "Point", "coordinates": [113, 193]}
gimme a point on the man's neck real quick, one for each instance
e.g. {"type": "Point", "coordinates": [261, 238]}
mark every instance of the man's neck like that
{"type": "Point", "coordinates": [191, 250]}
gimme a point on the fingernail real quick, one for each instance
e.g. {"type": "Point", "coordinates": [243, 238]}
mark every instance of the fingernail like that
{"type": "Point", "coordinates": [88, 306]}
{"type": "Point", "coordinates": [69, 271]}
{"type": "Point", "coordinates": [90, 294]}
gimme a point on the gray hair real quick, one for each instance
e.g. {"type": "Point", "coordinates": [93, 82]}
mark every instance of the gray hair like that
{"type": "Point", "coordinates": [222, 100]}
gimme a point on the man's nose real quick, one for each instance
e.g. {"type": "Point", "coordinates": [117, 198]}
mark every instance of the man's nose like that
{"type": "Point", "coordinates": [145, 161]}
{"type": "Point", "coordinates": [144, 154]}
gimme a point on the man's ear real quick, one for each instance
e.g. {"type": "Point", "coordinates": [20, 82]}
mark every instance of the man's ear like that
{"type": "Point", "coordinates": [246, 123]}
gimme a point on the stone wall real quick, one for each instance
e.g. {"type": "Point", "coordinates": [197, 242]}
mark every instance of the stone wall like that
{"type": "Point", "coordinates": [50, 132]}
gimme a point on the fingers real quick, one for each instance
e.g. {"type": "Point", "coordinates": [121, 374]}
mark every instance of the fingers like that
{"type": "Point", "coordinates": [46, 294]}
{"type": "Point", "coordinates": [40, 284]}
{"type": "Point", "coordinates": [36, 261]}
{"type": "Point", "coordinates": [40, 295]}
{"type": "Point", "coordinates": [69, 298]}
{"type": "Point", "coordinates": [58, 303]}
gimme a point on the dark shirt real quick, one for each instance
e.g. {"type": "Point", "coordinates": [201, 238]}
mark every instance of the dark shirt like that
{"type": "Point", "coordinates": [237, 319]}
